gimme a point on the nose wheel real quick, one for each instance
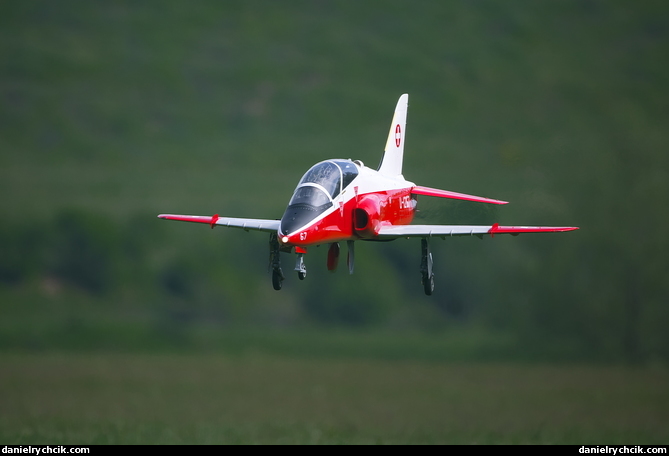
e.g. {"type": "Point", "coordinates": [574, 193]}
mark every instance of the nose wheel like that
{"type": "Point", "coordinates": [300, 267]}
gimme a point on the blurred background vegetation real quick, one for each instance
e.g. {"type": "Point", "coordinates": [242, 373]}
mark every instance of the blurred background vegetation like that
{"type": "Point", "coordinates": [114, 112]}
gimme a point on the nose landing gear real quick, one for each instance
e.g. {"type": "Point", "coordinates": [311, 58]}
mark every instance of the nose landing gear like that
{"type": "Point", "coordinates": [275, 261]}
{"type": "Point", "coordinates": [300, 267]}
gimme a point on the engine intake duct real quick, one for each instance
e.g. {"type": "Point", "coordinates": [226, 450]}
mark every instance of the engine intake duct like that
{"type": "Point", "coordinates": [366, 217]}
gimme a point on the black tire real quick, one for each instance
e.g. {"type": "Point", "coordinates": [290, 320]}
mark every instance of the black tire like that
{"type": "Point", "coordinates": [428, 285]}
{"type": "Point", "coordinates": [301, 275]}
{"type": "Point", "coordinates": [277, 280]}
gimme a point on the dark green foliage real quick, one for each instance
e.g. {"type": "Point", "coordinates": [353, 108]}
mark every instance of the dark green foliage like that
{"type": "Point", "coordinates": [355, 304]}
{"type": "Point", "coordinates": [178, 279]}
{"type": "Point", "coordinates": [81, 250]}
{"type": "Point", "coordinates": [20, 244]}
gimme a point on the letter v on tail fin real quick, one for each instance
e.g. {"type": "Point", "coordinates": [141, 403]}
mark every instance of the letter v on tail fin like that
{"type": "Point", "coordinates": [391, 164]}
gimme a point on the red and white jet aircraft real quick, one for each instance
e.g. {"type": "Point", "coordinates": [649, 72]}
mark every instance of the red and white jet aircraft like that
{"type": "Point", "coordinates": [343, 200]}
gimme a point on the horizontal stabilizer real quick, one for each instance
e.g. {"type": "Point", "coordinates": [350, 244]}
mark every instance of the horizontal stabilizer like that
{"type": "Point", "coordinates": [393, 232]}
{"type": "Point", "coordinates": [453, 195]}
{"type": "Point", "coordinates": [213, 220]}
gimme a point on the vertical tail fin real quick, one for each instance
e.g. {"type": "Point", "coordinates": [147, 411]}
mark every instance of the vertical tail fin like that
{"type": "Point", "coordinates": [391, 164]}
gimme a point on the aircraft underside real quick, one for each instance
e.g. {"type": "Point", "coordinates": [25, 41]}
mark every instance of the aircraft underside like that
{"type": "Point", "coordinates": [275, 249]}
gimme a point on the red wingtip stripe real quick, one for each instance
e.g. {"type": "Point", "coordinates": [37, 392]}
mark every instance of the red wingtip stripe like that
{"type": "Point", "coordinates": [496, 229]}
{"type": "Point", "coordinates": [186, 218]}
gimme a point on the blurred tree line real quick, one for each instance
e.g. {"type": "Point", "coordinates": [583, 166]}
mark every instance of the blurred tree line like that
{"type": "Point", "coordinates": [550, 296]}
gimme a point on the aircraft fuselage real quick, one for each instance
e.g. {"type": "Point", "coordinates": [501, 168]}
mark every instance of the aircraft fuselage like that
{"type": "Point", "coordinates": [340, 200]}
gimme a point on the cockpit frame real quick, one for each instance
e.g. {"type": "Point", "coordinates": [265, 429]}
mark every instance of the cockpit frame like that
{"type": "Point", "coordinates": [316, 191]}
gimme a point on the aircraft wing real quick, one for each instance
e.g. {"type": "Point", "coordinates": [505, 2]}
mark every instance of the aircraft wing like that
{"type": "Point", "coordinates": [398, 231]}
{"type": "Point", "coordinates": [417, 190]}
{"type": "Point", "coordinates": [213, 220]}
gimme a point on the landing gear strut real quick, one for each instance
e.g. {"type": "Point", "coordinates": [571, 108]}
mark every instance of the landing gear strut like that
{"type": "Point", "coordinates": [427, 276]}
{"type": "Point", "coordinates": [300, 267]}
{"type": "Point", "coordinates": [275, 261]}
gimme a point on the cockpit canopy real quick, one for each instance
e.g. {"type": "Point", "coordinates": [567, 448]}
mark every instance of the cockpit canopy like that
{"type": "Point", "coordinates": [332, 175]}
{"type": "Point", "coordinates": [315, 192]}
{"type": "Point", "coordinates": [323, 182]}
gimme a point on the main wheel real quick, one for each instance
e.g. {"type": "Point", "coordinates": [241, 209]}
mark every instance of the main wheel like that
{"type": "Point", "coordinates": [277, 279]}
{"type": "Point", "coordinates": [428, 285]}
{"type": "Point", "coordinates": [301, 275]}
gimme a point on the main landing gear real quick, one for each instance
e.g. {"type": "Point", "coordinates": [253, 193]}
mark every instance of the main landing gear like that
{"type": "Point", "coordinates": [427, 276]}
{"type": "Point", "coordinates": [275, 261]}
{"type": "Point", "coordinates": [275, 249]}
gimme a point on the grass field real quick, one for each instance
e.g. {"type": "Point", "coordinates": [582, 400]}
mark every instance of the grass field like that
{"type": "Point", "coordinates": [208, 399]}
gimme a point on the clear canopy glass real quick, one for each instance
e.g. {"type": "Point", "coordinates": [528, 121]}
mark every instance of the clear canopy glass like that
{"type": "Point", "coordinates": [315, 192]}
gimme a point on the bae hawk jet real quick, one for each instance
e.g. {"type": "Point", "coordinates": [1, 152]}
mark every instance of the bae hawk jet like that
{"type": "Point", "coordinates": [342, 200]}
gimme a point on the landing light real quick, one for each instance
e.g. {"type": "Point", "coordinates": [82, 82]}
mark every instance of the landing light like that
{"type": "Point", "coordinates": [284, 239]}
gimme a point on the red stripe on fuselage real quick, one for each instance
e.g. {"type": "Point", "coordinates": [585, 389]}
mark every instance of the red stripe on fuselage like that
{"type": "Point", "coordinates": [396, 207]}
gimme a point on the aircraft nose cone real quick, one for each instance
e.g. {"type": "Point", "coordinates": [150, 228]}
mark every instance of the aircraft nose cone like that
{"type": "Point", "coordinates": [295, 218]}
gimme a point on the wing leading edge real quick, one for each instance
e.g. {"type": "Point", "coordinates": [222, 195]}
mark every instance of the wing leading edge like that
{"type": "Point", "coordinates": [393, 232]}
{"type": "Point", "coordinates": [213, 220]}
